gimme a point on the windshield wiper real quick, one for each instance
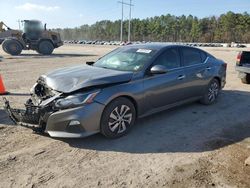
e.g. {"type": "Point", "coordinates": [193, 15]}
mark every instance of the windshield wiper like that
{"type": "Point", "coordinates": [105, 67]}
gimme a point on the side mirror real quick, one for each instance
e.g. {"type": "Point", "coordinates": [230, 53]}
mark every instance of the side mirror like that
{"type": "Point", "coordinates": [158, 69]}
{"type": "Point", "coordinates": [90, 62]}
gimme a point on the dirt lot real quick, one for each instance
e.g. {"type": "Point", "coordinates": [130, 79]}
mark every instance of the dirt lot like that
{"type": "Point", "coordinates": [190, 146]}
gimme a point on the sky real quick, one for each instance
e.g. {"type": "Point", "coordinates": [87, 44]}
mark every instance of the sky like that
{"type": "Point", "coordinates": [74, 13]}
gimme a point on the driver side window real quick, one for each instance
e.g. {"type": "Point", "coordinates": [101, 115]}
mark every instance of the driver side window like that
{"type": "Point", "coordinates": [170, 59]}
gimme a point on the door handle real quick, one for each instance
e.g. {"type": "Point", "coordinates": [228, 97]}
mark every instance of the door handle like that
{"type": "Point", "coordinates": [181, 77]}
{"type": "Point", "coordinates": [208, 68]}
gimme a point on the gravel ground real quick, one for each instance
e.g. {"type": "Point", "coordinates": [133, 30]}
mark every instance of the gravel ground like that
{"type": "Point", "coordinates": [189, 146]}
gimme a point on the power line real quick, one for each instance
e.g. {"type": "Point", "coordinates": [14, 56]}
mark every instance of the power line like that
{"type": "Point", "coordinates": [129, 25]}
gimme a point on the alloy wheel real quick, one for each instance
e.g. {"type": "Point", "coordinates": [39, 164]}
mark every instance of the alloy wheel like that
{"type": "Point", "coordinates": [213, 91]}
{"type": "Point", "coordinates": [120, 119]}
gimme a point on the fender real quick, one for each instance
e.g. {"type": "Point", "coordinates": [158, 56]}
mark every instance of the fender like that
{"type": "Point", "coordinates": [46, 39]}
{"type": "Point", "coordinates": [16, 39]}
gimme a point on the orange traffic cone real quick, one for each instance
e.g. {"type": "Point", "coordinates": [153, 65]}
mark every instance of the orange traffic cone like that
{"type": "Point", "coordinates": [2, 88]}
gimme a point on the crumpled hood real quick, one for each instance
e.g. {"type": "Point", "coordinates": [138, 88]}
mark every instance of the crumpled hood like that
{"type": "Point", "coordinates": [70, 79]}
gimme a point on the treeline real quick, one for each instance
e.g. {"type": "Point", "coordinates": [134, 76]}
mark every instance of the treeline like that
{"type": "Point", "coordinates": [229, 27]}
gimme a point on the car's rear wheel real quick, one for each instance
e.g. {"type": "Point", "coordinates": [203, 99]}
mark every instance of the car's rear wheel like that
{"type": "Point", "coordinates": [212, 93]}
{"type": "Point", "coordinates": [246, 79]}
{"type": "Point", "coordinates": [118, 118]}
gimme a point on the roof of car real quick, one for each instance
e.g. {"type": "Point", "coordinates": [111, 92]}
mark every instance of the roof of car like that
{"type": "Point", "coordinates": [153, 46]}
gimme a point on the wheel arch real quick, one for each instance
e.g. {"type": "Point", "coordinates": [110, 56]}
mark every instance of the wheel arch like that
{"type": "Point", "coordinates": [130, 98]}
{"type": "Point", "coordinates": [218, 79]}
{"type": "Point", "coordinates": [133, 101]}
{"type": "Point", "coordinates": [15, 39]}
{"type": "Point", "coordinates": [46, 39]}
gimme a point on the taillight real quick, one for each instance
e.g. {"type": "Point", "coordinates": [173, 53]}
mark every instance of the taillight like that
{"type": "Point", "coordinates": [238, 58]}
{"type": "Point", "coordinates": [225, 66]}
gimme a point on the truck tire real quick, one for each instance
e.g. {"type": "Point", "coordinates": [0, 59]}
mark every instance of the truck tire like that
{"type": "Point", "coordinates": [12, 47]}
{"type": "Point", "coordinates": [246, 79]}
{"type": "Point", "coordinates": [45, 48]}
{"type": "Point", "coordinates": [4, 49]}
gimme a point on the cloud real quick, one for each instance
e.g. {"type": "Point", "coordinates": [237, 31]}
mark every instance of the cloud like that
{"type": "Point", "coordinates": [36, 7]}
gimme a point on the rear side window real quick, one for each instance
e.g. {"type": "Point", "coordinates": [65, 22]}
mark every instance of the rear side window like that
{"type": "Point", "coordinates": [170, 59]}
{"type": "Point", "coordinates": [245, 58]}
{"type": "Point", "coordinates": [203, 56]}
{"type": "Point", "coordinates": [192, 56]}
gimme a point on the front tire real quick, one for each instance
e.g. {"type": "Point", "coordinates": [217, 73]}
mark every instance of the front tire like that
{"type": "Point", "coordinates": [118, 118]}
{"type": "Point", "coordinates": [45, 48]}
{"type": "Point", "coordinates": [246, 79]}
{"type": "Point", "coordinates": [12, 47]}
{"type": "Point", "coordinates": [212, 93]}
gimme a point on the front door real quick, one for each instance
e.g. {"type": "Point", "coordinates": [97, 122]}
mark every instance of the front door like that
{"type": "Point", "coordinates": [168, 88]}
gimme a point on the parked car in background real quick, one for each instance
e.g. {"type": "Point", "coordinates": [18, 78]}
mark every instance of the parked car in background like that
{"type": "Point", "coordinates": [243, 66]}
{"type": "Point", "coordinates": [108, 95]}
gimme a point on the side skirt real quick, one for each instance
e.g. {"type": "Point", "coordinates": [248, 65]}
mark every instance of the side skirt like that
{"type": "Point", "coordinates": [179, 103]}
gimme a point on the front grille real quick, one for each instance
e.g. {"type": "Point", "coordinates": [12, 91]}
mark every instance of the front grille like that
{"type": "Point", "coordinates": [30, 115]}
{"type": "Point", "coordinates": [31, 109]}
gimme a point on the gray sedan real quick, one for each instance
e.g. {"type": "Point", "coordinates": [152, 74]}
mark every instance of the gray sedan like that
{"type": "Point", "coordinates": [108, 95]}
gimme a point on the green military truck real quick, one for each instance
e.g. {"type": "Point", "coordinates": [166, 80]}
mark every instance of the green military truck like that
{"type": "Point", "coordinates": [34, 36]}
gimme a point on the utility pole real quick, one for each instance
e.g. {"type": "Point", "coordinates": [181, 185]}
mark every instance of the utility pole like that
{"type": "Point", "coordinates": [122, 23]}
{"type": "Point", "coordinates": [121, 36]}
{"type": "Point", "coordinates": [19, 24]}
{"type": "Point", "coordinates": [129, 22]}
{"type": "Point", "coordinates": [129, 25]}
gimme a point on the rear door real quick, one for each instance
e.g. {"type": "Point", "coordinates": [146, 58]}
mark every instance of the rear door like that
{"type": "Point", "coordinates": [197, 70]}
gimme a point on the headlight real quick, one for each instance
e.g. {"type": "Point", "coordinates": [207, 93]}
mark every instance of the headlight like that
{"type": "Point", "coordinates": [75, 100]}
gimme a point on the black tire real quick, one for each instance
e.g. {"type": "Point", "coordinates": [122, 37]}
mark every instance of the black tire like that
{"type": "Point", "coordinates": [246, 80]}
{"type": "Point", "coordinates": [118, 118]}
{"type": "Point", "coordinates": [12, 47]}
{"type": "Point", "coordinates": [45, 48]}
{"type": "Point", "coordinates": [4, 49]}
{"type": "Point", "coordinates": [212, 92]}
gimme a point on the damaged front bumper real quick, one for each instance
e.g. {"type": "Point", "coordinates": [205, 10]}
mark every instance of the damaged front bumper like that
{"type": "Point", "coordinates": [69, 123]}
{"type": "Point", "coordinates": [29, 118]}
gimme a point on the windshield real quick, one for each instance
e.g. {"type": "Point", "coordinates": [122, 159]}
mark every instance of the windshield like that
{"type": "Point", "coordinates": [126, 59]}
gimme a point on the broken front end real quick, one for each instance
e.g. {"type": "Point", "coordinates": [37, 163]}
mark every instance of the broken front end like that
{"type": "Point", "coordinates": [37, 108]}
{"type": "Point", "coordinates": [58, 114]}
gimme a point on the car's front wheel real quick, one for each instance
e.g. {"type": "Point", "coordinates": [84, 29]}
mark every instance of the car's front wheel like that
{"type": "Point", "coordinates": [118, 118]}
{"type": "Point", "coordinates": [212, 92]}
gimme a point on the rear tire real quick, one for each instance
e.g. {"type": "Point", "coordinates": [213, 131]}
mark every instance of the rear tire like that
{"type": "Point", "coordinates": [12, 47]}
{"type": "Point", "coordinates": [212, 93]}
{"type": "Point", "coordinates": [118, 118]}
{"type": "Point", "coordinates": [246, 79]}
{"type": "Point", "coordinates": [45, 48]}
